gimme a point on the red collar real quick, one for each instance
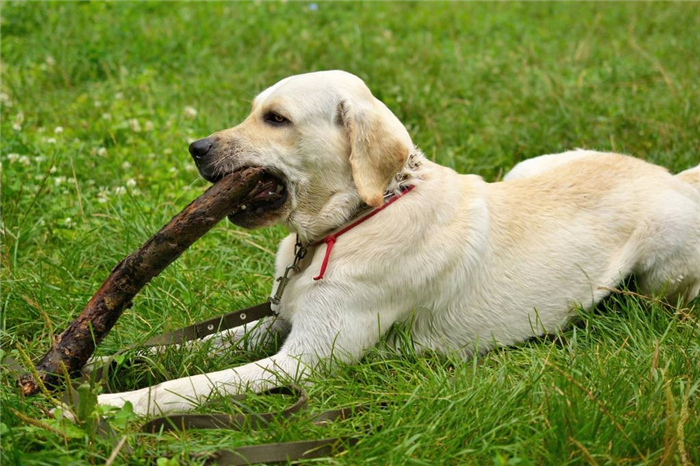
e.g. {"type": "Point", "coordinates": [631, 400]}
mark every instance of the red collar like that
{"type": "Point", "coordinates": [330, 239]}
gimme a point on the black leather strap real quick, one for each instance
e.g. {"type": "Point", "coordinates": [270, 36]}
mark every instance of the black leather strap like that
{"type": "Point", "coordinates": [280, 452]}
{"type": "Point", "coordinates": [178, 422]}
{"type": "Point", "coordinates": [268, 452]}
{"type": "Point", "coordinates": [214, 325]}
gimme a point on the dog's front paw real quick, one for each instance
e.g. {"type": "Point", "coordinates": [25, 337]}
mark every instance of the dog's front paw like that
{"type": "Point", "coordinates": [150, 401]}
{"type": "Point", "coordinates": [140, 403]}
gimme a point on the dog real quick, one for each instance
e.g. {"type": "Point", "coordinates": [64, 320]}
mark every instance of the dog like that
{"type": "Point", "coordinates": [466, 264]}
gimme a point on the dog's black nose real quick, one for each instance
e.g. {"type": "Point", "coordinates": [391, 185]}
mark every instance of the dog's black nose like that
{"type": "Point", "coordinates": [200, 148]}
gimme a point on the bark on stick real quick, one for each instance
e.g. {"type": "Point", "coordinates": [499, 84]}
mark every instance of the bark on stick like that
{"type": "Point", "coordinates": [76, 344]}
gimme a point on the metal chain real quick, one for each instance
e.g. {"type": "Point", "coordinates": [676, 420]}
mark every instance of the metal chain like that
{"type": "Point", "coordinates": [300, 250]}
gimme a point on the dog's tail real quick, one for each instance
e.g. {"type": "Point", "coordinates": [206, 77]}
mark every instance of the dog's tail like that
{"type": "Point", "coordinates": [691, 176]}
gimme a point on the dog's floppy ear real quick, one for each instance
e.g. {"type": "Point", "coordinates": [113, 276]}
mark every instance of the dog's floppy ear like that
{"type": "Point", "coordinates": [379, 146]}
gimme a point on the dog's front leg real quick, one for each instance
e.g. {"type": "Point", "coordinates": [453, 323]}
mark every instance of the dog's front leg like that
{"type": "Point", "coordinates": [186, 393]}
{"type": "Point", "coordinates": [337, 332]}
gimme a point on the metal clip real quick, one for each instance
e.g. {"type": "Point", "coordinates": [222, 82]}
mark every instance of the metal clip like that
{"type": "Point", "coordinates": [413, 162]}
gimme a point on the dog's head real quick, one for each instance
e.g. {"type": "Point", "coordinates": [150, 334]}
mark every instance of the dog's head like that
{"type": "Point", "coordinates": [327, 141]}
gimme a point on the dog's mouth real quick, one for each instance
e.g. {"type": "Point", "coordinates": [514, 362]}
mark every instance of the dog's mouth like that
{"type": "Point", "coordinates": [267, 196]}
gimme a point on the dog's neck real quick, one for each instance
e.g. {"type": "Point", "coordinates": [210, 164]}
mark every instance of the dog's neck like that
{"type": "Point", "coordinates": [350, 206]}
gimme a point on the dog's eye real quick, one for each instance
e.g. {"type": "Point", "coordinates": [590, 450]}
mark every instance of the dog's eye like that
{"type": "Point", "coordinates": [275, 119]}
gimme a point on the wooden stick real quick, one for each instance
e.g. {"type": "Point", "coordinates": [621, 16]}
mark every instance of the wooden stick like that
{"type": "Point", "coordinates": [77, 343]}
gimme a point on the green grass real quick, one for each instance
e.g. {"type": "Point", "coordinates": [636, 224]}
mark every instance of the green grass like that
{"type": "Point", "coordinates": [480, 87]}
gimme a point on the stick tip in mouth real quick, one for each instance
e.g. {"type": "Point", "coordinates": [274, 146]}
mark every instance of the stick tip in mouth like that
{"type": "Point", "coordinates": [269, 194]}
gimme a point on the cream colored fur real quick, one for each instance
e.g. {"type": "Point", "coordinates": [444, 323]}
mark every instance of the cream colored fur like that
{"type": "Point", "coordinates": [468, 264]}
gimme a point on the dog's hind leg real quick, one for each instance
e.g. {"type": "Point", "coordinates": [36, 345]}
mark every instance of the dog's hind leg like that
{"type": "Point", "coordinates": [691, 176]}
{"type": "Point", "coordinates": [692, 291]}
{"type": "Point", "coordinates": [670, 242]}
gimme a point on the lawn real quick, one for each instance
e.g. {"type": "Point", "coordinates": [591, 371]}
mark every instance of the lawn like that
{"type": "Point", "coordinates": [100, 100]}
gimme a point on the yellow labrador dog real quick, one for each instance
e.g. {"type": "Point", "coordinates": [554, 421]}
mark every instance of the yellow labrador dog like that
{"type": "Point", "coordinates": [468, 264]}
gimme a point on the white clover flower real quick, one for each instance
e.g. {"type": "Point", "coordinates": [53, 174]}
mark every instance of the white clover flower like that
{"type": "Point", "coordinates": [119, 95]}
{"type": "Point", "coordinates": [58, 130]}
{"type": "Point", "coordinates": [191, 140]}
{"type": "Point", "coordinates": [107, 116]}
{"type": "Point", "coordinates": [130, 183]}
{"type": "Point", "coordinates": [151, 155]}
{"type": "Point", "coordinates": [119, 190]}
{"type": "Point", "coordinates": [126, 165]}
{"type": "Point", "coordinates": [97, 103]}
{"type": "Point", "coordinates": [59, 180]}
{"type": "Point", "coordinates": [190, 112]}
{"type": "Point", "coordinates": [19, 118]}
{"type": "Point", "coordinates": [135, 192]}
{"type": "Point", "coordinates": [51, 140]}
{"type": "Point", "coordinates": [53, 169]}
{"type": "Point", "coordinates": [167, 151]}
{"type": "Point", "coordinates": [51, 61]}
{"type": "Point", "coordinates": [24, 160]}
{"type": "Point", "coordinates": [148, 126]}
{"type": "Point", "coordinates": [102, 152]}
{"type": "Point", "coordinates": [173, 170]}
{"type": "Point", "coordinates": [39, 158]}
{"type": "Point", "coordinates": [102, 195]}
{"type": "Point", "coordinates": [40, 129]}
{"type": "Point", "coordinates": [12, 157]}
{"type": "Point", "coordinates": [135, 125]}
{"type": "Point", "coordinates": [4, 98]}
{"type": "Point", "coordinates": [190, 167]}
{"type": "Point", "coordinates": [17, 127]}
{"type": "Point", "coordinates": [68, 222]}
